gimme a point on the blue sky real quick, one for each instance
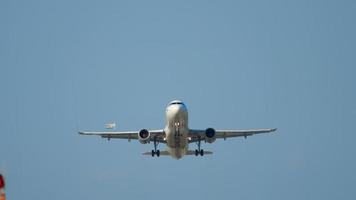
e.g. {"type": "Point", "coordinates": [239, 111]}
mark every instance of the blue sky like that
{"type": "Point", "coordinates": [76, 65]}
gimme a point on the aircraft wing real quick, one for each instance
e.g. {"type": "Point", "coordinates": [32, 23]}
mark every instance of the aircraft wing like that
{"type": "Point", "coordinates": [129, 135]}
{"type": "Point", "coordinates": [197, 135]}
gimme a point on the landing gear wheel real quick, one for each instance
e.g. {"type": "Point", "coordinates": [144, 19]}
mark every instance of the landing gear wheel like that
{"type": "Point", "coordinates": [158, 153]}
{"type": "Point", "coordinates": [155, 151]}
{"type": "Point", "coordinates": [201, 152]}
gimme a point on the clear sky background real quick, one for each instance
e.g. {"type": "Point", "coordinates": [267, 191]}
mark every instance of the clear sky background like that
{"type": "Point", "coordinates": [76, 65]}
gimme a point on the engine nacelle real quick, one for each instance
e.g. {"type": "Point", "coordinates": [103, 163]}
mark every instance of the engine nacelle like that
{"type": "Point", "coordinates": [210, 135]}
{"type": "Point", "coordinates": [144, 136]}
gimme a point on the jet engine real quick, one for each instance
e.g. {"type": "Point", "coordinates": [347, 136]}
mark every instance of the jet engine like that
{"type": "Point", "coordinates": [144, 136]}
{"type": "Point", "coordinates": [210, 135]}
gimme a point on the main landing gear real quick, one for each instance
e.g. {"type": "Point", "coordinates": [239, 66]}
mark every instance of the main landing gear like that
{"type": "Point", "coordinates": [155, 151]}
{"type": "Point", "coordinates": [199, 151]}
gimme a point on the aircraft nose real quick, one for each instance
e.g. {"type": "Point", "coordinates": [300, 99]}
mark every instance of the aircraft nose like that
{"type": "Point", "coordinates": [181, 108]}
{"type": "Point", "coordinates": [177, 109]}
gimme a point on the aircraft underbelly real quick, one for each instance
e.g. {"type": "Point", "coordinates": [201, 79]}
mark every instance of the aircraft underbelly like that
{"type": "Point", "coordinates": [177, 152]}
{"type": "Point", "coordinates": [177, 143]}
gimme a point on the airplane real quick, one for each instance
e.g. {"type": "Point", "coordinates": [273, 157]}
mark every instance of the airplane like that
{"type": "Point", "coordinates": [177, 135]}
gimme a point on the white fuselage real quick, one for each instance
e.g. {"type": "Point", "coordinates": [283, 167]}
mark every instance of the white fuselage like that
{"type": "Point", "coordinates": [177, 130]}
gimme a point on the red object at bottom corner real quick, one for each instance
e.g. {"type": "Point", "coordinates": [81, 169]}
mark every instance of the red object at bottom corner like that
{"type": "Point", "coordinates": [2, 182]}
{"type": "Point", "coordinates": [2, 197]}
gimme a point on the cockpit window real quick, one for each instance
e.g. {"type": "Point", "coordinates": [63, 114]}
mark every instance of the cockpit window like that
{"type": "Point", "coordinates": [176, 103]}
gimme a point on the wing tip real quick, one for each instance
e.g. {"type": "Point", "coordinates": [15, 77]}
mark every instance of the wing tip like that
{"type": "Point", "coordinates": [273, 129]}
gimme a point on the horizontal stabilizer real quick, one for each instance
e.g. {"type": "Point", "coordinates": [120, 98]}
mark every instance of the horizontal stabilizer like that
{"type": "Point", "coordinates": [191, 152]}
{"type": "Point", "coordinates": [165, 153]}
{"type": "Point", "coordinates": [161, 153]}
